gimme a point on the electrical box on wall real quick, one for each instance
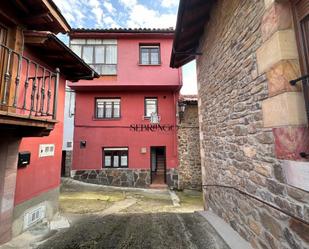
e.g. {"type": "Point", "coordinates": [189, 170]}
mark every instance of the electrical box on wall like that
{"type": "Point", "coordinates": [23, 159]}
{"type": "Point", "coordinates": [46, 150]}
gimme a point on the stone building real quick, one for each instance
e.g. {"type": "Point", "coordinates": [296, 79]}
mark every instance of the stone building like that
{"type": "Point", "coordinates": [189, 168]}
{"type": "Point", "coordinates": [253, 122]}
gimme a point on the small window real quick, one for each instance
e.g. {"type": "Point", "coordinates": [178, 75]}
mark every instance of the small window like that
{"type": "Point", "coordinates": [115, 157]}
{"type": "Point", "coordinates": [107, 108]}
{"type": "Point", "coordinates": [151, 106]}
{"type": "Point", "coordinates": [150, 55]}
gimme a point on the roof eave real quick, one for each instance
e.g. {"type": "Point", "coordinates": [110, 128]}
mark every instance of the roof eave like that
{"type": "Point", "coordinates": [191, 18]}
{"type": "Point", "coordinates": [41, 39]}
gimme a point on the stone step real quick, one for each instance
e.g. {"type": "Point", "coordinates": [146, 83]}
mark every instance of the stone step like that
{"type": "Point", "coordinates": [158, 186]}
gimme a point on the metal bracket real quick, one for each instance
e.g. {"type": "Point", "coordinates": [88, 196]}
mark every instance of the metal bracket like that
{"type": "Point", "coordinates": [294, 82]}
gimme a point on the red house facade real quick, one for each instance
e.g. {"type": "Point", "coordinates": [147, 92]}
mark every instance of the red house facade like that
{"type": "Point", "coordinates": [34, 66]}
{"type": "Point", "coordinates": [125, 121]}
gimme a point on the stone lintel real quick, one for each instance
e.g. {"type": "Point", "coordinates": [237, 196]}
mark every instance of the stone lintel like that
{"type": "Point", "coordinates": [286, 109]}
{"type": "Point", "coordinates": [268, 3]}
{"type": "Point", "coordinates": [281, 46]}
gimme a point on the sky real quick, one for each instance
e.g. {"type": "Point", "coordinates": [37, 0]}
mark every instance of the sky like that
{"type": "Point", "coordinates": [126, 14]}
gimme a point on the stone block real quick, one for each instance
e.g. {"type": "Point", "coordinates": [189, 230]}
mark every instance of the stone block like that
{"type": "Point", "coordinates": [254, 226]}
{"type": "Point", "coordinates": [301, 229]}
{"type": "Point", "coordinates": [271, 225]}
{"type": "Point", "coordinates": [290, 239]}
{"type": "Point", "coordinates": [275, 187]}
{"type": "Point", "coordinates": [277, 17]}
{"type": "Point", "coordinates": [290, 141]}
{"type": "Point", "coordinates": [268, 3]}
{"type": "Point", "coordinates": [287, 109]}
{"type": "Point", "coordinates": [280, 46]}
{"type": "Point", "coordinates": [280, 75]}
{"type": "Point", "coordinates": [263, 169]}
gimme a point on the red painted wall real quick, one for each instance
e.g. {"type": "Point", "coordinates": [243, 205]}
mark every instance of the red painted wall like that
{"type": "Point", "coordinates": [130, 73]}
{"type": "Point", "coordinates": [43, 173]}
{"type": "Point", "coordinates": [117, 133]}
{"type": "Point", "coordinates": [132, 84]}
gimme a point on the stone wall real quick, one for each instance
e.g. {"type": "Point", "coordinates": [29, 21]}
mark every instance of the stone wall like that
{"type": "Point", "coordinates": [139, 178]}
{"type": "Point", "coordinates": [172, 178]}
{"type": "Point", "coordinates": [242, 52]}
{"type": "Point", "coordinates": [68, 162]}
{"type": "Point", "coordinates": [189, 149]}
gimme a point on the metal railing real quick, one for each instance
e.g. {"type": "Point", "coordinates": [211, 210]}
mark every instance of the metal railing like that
{"type": "Point", "coordinates": [27, 87]}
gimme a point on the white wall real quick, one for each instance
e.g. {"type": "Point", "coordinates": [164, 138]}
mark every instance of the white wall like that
{"type": "Point", "coordinates": [69, 110]}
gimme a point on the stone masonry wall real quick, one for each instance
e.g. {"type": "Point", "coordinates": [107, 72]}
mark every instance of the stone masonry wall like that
{"type": "Point", "coordinates": [236, 148]}
{"type": "Point", "coordinates": [139, 178]}
{"type": "Point", "coordinates": [68, 162]}
{"type": "Point", "coordinates": [189, 150]}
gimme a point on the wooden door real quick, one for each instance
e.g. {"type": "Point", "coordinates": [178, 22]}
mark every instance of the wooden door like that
{"type": "Point", "coordinates": [301, 20]}
{"type": "Point", "coordinates": [301, 16]}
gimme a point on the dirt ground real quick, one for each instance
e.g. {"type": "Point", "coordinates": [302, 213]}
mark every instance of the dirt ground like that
{"type": "Point", "coordinates": [106, 217]}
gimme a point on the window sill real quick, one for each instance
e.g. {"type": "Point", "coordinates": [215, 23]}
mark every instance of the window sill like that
{"type": "Point", "coordinates": [156, 65]}
{"type": "Point", "coordinates": [124, 167]}
{"type": "Point", "coordinates": [106, 119]}
{"type": "Point", "coordinates": [108, 75]}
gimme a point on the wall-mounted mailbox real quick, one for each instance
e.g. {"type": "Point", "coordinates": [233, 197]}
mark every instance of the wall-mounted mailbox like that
{"type": "Point", "coordinates": [23, 159]}
{"type": "Point", "coordinates": [82, 144]}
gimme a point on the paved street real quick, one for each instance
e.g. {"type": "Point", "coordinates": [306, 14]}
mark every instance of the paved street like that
{"type": "Point", "coordinates": [152, 230]}
{"type": "Point", "coordinates": [107, 217]}
{"type": "Point", "coordinates": [132, 219]}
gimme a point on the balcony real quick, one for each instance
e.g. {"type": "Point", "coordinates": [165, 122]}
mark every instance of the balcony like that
{"type": "Point", "coordinates": [28, 94]}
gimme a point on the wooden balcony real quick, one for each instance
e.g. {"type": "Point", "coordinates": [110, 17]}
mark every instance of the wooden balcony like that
{"type": "Point", "coordinates": [28, 94]}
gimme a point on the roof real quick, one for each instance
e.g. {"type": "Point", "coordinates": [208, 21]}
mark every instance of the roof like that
{"type": "Point", "coordinates": [39, 15]}
{"type": "Point", "coordinates": [122, 32]}
{"type": "Point", "coordinates": [188, 99]}
{"type": "Point", "coordinates": [126, 30]}
{"type": "Point", "coordinates": [59, 55]}
{"type": "Point", "coordinates": [191, 18]}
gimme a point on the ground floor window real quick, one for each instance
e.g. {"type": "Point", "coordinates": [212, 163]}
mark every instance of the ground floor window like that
{"type": "Point", "coordinates": [115, 157]}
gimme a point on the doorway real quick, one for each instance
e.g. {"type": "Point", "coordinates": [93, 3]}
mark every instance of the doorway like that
{"type": "Point", "coordinates": [301, 18]}
{"type": "Point", "coordinates": [158, 165]}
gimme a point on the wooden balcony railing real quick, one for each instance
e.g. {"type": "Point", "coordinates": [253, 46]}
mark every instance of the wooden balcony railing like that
{"type": "Point", "coordinates": [27, 88]}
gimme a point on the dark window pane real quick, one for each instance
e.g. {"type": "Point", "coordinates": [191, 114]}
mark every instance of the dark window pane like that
{"type": "Point", "coordinates": [108, 108]}
{"type": "Point", "coordinates": [150, 55]}
{"type": "Point", "coordinates": [115, 157]}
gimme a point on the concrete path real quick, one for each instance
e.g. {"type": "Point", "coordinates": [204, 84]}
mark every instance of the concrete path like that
{"type": "Point", "coordinates": [118, 206]}
{"type": "Point", "coordinates": [93, 216]}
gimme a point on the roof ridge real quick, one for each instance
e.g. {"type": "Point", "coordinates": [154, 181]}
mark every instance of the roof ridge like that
{"type": "Point", "coordinates": [144, 29]}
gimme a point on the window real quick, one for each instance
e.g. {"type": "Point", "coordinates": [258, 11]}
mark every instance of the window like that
{"type": "Point", "coordinates": [115, 157]}
{"type": "Point", "coordinates": [100, 54]}
{"type": "Point", "coordinates": [151, 106]}
{"type": "Point", "coordinates": [107, 108]}
{"type": "Point", "coordinates": [150, 55]}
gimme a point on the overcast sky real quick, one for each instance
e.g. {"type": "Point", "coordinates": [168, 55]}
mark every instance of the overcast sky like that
{"type": "Point", "coordinates": [127, 14]}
